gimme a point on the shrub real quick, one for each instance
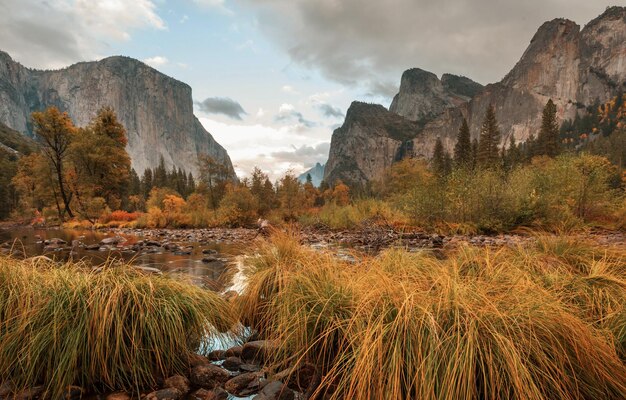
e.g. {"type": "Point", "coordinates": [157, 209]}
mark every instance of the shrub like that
{"type": "Point", "coordinates": [119, 216]}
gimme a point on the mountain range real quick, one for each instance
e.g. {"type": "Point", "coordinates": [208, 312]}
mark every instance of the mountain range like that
{"type": "Point", "coordinates": [572, 66]}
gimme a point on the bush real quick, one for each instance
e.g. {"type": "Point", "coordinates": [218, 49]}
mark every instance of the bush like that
{"type": "Point", "coordinates": [113, 329]}
{"type": "Point", "coordinates": [119, 216]}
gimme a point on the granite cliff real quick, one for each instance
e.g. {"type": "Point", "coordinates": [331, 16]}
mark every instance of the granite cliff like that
{"type": "Point", "coordinates": [156, 110]}
{"type": "Point", "coordinates": [572, 66]}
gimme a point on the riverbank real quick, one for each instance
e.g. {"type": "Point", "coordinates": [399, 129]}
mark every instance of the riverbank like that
{"type": "Point", "coordinates": [543, 318]}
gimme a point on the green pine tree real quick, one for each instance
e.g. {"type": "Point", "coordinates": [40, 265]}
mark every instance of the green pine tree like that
{"type": "Point", "coordinates": [463, 147]}
{"type": "Point", "coordinates": [548, 140]}
{"type": "Point", "coordinates": [439, 161]}
{"type": "Point", "coordinates": [489, 143]}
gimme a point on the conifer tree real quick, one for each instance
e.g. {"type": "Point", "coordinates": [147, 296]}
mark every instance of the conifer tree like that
{"type": "Point", "coordinates": [548, 140]}
{"type": "Point", "coordinates": [147, 183]}
{"type": "Point", "coordinates": [489, 143]}
{"type": "Point", "coordinates": [160, 174]}
{"type": "Point", "coordinates": [441, 161]}
{"type": "Point", "coordinates": [463, 147]}
{"type": "Point", "coordinates": [439, 158]}
{"type": "Point", "coordinates": [474, 159]}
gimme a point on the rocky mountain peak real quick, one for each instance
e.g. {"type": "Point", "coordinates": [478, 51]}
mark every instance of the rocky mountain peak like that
{"type": "Point", "coordinates": [572, 67]}
{"type": "Point", "coordinates": [461, 85]}
{"type": "Point", "coordinates": [423, 97]}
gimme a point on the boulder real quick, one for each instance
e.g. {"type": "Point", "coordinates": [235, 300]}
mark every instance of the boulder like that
{"type": "Point", "coordinates": [208, 376]}
{"type": "Point", "coordinates": [178, 382]}
{"type": "Point", "coordinates": [217, 355]}
{"type": "Point", "coordinates": [112, 241]}
{"type": "Point", "coordinates": [196, 359]}
{"type": "Point", "coordinates": [232, 363]}
{"type": "Point", "coordinates": [234, 351]}
{"type": "Point", "coordinates": [74, 393]}
{"type": "Point", "coordinates": [54, 241]}
{"type": "Point", "coordinates": [217, 394]}
{"type": "Point", "coordinates": [244, 384]}
{"type": "Point", "coordinates": [259, 350]}
{"type": "Point", "coordinates": [164, 394]}
{"type": "Point", "coordinates": [118, 396]}
{"type": "Point", "coordinates": [275, 390]}
{"type": "Point", "coordinates": [302, 378]}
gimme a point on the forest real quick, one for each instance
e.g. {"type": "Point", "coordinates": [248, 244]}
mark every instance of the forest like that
{"type": "Point", "coordinates": [567, 176]}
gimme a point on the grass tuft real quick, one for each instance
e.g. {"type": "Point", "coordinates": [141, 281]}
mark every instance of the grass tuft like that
{"type": "Point", "coordinates": [113, 329]}
{"type": "Point", "coordinates": [539, 321]}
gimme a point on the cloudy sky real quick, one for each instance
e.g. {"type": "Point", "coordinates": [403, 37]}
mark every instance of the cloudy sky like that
{"type": "Point", "coordinates": [271, 79]}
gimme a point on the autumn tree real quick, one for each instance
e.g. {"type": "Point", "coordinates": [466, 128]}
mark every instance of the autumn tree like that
{"type": "Point", "coordinates": [463, 147]}
{"type": "Point", "coordinates": [35, 182]}
{"type": "Point", "coordinates": [213, 177]}
{"type": "Point", "coordinates": [548, 139]}
{"type": "Point", "coordinates": [489, 143]}
{"type": "Point", "coordinates": [290, 195]}
{"type": "Point", "coordinates": [339, 194]}
{"type": "Point", "coordinates": [262, 190]}
{"type": "Point", "coordinates": [56, 131]}
{"type": "Point", "coordinates": [100, 166]}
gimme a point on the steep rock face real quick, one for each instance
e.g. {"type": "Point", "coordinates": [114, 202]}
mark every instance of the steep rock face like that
{"type": "Point", "coordinates": [573, 67]}
{"type": "Point", "coordinates": [368, 142]}
{"type": "Point", "coordinates": [423, 97]}
{"type": "Point", "coordinates": [156, 110]}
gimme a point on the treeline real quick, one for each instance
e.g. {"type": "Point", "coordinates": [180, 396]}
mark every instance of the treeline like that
{"type": "Point", "coordinates": [486, 152]}
{"type": "Point", "coordinates": [84, 174]}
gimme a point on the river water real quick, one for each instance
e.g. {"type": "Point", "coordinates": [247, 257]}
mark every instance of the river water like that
{"type": "Point", "coordinates": [29, 242]}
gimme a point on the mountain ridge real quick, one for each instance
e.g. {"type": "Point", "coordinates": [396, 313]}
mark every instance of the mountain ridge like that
{"type": "Point", "coordinates": [572, 66]}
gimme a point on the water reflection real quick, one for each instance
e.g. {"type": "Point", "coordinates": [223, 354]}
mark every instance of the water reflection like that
{"type": "Point", "coordinates": [82, 245]}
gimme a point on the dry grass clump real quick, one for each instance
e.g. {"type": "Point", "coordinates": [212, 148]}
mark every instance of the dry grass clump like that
{"type": "Point", "coordinates": [112, 329]}
{"type": "Point", "coordinates": [543, 321]}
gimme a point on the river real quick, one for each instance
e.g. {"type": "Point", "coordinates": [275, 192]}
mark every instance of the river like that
{"type": "Point", "coordinates": [204, 261]}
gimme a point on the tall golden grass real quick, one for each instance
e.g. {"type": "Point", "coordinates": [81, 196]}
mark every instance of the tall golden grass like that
{"type": "Point", "coordinates": [113, 329]}
{"type": "Point", "coordinates": [541, 321]}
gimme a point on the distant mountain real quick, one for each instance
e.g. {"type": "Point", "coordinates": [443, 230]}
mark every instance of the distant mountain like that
{"type": "Point", "coordinates": [573, 67]}
{"type": "Point", "coordinates": [156, 110]}
{"type": "Point", "coordinates": [317, 175]}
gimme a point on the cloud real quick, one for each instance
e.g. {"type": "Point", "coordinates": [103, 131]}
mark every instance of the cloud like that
{"type": "Point", "coordinates": [222, 105]}
{"type": "Point", "coordinates": [289, 89]}
{"type": "Point", "coordinates": [275, 150]}
{"type": "Point", "coordinates": [330, 111]}
{"type": "Point", "coordinates": [216, 4]}
{"type": "Point", "coordinates": [287, 112]}
{"type": "Point", "coordinates": [156, 61]}
{"type": "Point", "coordinates": [305, 154]}
{"type": "Point", "coordinates": [54, 34]}
{"type": "Point", "coordinates": [184, 19]}
{"type": "Point", "coordinates": [367, 44]}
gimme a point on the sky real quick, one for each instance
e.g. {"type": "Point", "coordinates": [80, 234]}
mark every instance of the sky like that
{"type": "Point", "coordinates": [272, 79]}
